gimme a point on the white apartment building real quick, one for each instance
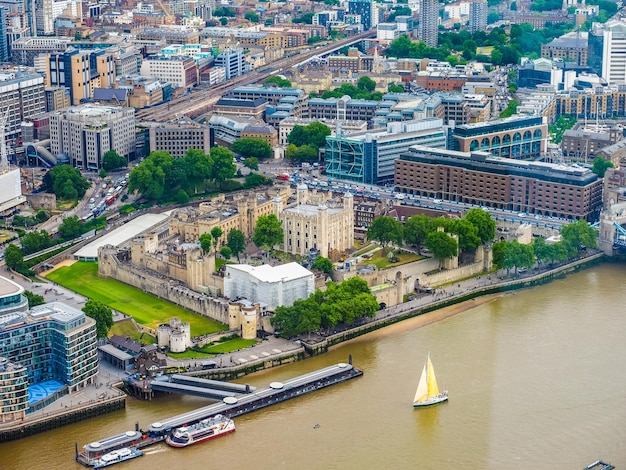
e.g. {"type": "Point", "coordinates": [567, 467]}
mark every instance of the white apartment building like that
{"type": "Point", "coordinates": [85, 133]}
{"type": "Point", "coordinates": [177, 70]}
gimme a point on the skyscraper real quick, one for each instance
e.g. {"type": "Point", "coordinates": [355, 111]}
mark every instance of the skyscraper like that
{"type": "Point", "coordinates": [4, 47]}
{"type": "Point", "coordinates": [478, 11]}
{"type": "Point", "coordinates": [429, 19]}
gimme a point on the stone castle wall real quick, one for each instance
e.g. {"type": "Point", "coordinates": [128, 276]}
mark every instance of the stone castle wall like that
{"type": "Point", "coordinates": [110, 266]}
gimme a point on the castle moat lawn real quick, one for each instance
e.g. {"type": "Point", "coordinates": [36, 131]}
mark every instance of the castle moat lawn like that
{"type": "Point", "coordinates": [148, 310]}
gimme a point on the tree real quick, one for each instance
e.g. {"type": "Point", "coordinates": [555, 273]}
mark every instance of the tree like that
{"type": "Point", "coordinates": [323, 264]}
{"type": "Point", "coordinates": [252, 147]}
{"type": "Point", "coordinates": [579, 235]}
{"type": "Point", "coordinates": [223, 21]}
{"type": "Point", "coordinates": [34, 299]}
{"type": "Point", "coordinates": [268, 232]}
{"type": "Point", "coordinates": [442, 245]}
{"type": "Point", "coordinates": [205, 242]}
{"type": "Point", "coordinates": [600, 165]}
{"type": "Point", "coordinates": [101, 314]}
{"type": "Point", "coordinates": [112, 160]}
{"type": "Point", "coordinates": [13, 256]}
{"type": "Point", "coordinates": [509, 255]}
{"type": "Point", "coordinates": [366, 83]}
{"type": "Point", "coordinates": [71, 228]}
{"type": "Point", "coordinates": [484, 223]}
{"type": "Point", "coordinates": [41, 216]}
{"type": "Point", "coordinates": [102, 173]}
{"type": "Point", "coordinates": [254, 179]}
{"type": "Point", "coordinates": [385, 230]}
{"type": "Point", "coordinates": [216, 233]}
{"type": "Point", "coordinates": [467, 232]}
{"type": "Point", "coordinates": [148, 177]}
{"type": "Point", "coordinates": [35, 241]}
{"type": "Point", "coordinates": [236, 241]}
{"type": "Point", "coordinates": [226, 252]}
{"type": "Point", "coordinates": [66, 182]}
{"type": "Point", "coordinates": [313, 134]}
{"type": "Point", "coordinates": [416, 229]}
{"type": "Point", "coordinates": [279, 81]}
{"type": "Point", "coordinates": [393, 88]}
{"type": "Point", "coordinates": [302, 153]}
{"type": "Point", "coordinates": [223, 166]}
{"type": "Point", "coordinates": [252, 163]}
{"type": "Point", "coordinates": [181, 197]}
{"type": "Point", "coordinates": [251, 16]}
{"type": "Point", "coordinates": [197, 167]}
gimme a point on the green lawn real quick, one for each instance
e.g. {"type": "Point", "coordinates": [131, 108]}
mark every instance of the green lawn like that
{"type": "Point", "coordinates": [380, 259]}
{"type": "Point", "coordinates": [82, 277]}
{"type": "Point", "coordinates": [211, 350]}
{"type": "Point", "coordinates": [127, 329]}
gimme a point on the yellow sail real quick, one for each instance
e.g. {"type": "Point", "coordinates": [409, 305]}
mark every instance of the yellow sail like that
{"type": "Point", "coordinates": [433, 389]}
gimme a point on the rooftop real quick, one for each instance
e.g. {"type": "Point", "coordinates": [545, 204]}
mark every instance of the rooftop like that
{"type": "Point", "coordinates": [8, 288]}
{"type": "Point", "coordinates": [267, 273]}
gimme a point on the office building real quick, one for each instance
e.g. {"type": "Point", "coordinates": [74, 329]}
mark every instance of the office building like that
{"type": "Point", "coordinates": [519, 137]}
{"type": "Point", "coordinates": [80, 72]}
{"type": "Point", "coordinates": [180, 71]}
{"type": "Point", "coordinates": [24, 50]}
{"type": "Point", "coordinates": [368, 157]}
{"type": "Point", "coordinates": [571, 47]}
{"type": "Point", "coordinates": [51, 342]}
{"type": "Point", "coordinates": [478, 12]}
{"type": "Point", "coordinates": [177, 138]}
{"type": "Point", "coordinates": [428, 22]}
{"type": "Point", "coordinates": [232, 60]}
{"type": "Point", "coordinates": [607, 50]}
{"type": "Point", "coordinates": [479, 178]}
{"type": "Point", "coordinates": [85, 133]}
{"type": "Point", "coordinates": [22, 93]}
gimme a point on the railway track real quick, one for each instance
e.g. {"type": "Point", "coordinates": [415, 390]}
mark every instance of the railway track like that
{"type": "Point", "coordinates": [201, 101]}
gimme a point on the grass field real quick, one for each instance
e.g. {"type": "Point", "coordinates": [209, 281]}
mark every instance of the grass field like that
{"type": "Point", "coordinates": [127, 329]}
{"type": "Point", "coordinates": [218, 348]}
{"type": "Point", "coordinates": [381, 260]}
{"type": "Point", "coordinates": [82, 277]}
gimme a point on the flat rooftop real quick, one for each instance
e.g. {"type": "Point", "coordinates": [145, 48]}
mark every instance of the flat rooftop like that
{"type": "Point", "coordinates": [8, 287]}
{"type": "Point", "coordinates": [122, 234]}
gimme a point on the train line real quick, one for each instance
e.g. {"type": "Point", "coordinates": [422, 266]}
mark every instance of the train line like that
{"type": "Point", "coordinates": [201, 101]}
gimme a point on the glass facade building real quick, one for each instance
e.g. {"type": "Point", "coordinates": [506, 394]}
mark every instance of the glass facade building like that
{"type": "Point", "coordinates": [50, 342]}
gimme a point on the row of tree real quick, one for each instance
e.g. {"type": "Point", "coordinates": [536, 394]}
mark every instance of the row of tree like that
{"type": "Point", "coordinates": [160, 176]}
{"type": "Point", "coordinates": [66, 182]}
{"type": "Point", "coordinates": [475, 229]}
{"type": "Point", "coordinates": [343, 303]}
{"type": "Point", "coordinates": [575, 238]}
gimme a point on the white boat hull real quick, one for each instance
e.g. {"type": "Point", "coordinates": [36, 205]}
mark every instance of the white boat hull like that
{"type": "Point", "coordinates": [432, 400]}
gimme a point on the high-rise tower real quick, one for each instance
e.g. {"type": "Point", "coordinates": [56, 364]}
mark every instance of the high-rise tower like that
{"type": "Point", "coordinates": [478, 11]}
{"type": "Point", "coordinates": [429, 19]}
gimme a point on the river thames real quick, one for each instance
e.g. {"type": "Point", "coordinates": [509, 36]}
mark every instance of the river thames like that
{"type": "Point", "coordinates": [536, 380]}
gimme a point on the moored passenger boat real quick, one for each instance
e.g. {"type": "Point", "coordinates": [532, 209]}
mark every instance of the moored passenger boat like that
{"type": "Point", "coordinates": [204, 430]}
{"type": "Point", "coordinates": [116, 456]}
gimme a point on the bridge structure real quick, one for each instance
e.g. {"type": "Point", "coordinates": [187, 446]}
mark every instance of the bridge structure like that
{"type": "Point", "coordinates": [612, 237]}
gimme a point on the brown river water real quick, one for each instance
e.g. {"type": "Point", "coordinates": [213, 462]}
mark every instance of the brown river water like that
{"type": "Point", "coordinates": [536, 380]}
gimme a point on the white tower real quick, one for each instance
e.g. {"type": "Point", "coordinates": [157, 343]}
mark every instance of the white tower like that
{"type": "Point", "coordinates": [4, 161]}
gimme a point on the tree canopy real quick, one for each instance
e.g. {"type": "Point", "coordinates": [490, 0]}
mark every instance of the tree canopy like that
{"type": "Point", "coordinates": [34, 299]}
{"type": "Point", "coordinates": [484, 223]}
{"type": "Point", "coordinates": [416, 229]}
{"type": "Point", "coordinates": [340, 303]}
{"type": "Point", "coordinates": [509, 255]}
{"type": "Point", "coordinates": [13, 256]}
{"type": "Point", "coordinates": [205, 242]}
{"type": "Point", "coordinates": [313, 134]}
{"type": "Point", "coordinates": [252, 147]}
{"type": "Point", "coordinates": [442, 245]}
{"type": "Point", "coordinates": [71, 227]}
{"type": "Point", "coordinates": [268, 232]}
{"type": "Point", "coordinates": [112, 160]}
{"type": "Point", "coordinates": [385, 230]}
{"type": "Point", "coordinates": [279, 81]}
{"type": "Point", "coordinates": [160, 176]}
{"type": "Point", "coordinates": [323, 264]}
{"type": "Point", "coordinates": [236, 241]}
{"type": "Point", "coordinates": [66, 182]}
{"type": "Point", "coordinates": [101, 314]}
{"type": "Point", "coordinates": [600, 165]}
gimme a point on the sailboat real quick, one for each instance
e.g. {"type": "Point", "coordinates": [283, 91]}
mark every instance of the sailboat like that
{"type": "Point", "coordinates": [427, 392]}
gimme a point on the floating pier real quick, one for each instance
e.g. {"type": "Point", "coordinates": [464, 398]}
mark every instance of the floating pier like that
{"type": "Point", "coordinates": [245, 400]}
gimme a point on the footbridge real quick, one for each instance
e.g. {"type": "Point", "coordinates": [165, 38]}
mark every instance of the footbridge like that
{"type": "Point", "coordinates": [199, 387]}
